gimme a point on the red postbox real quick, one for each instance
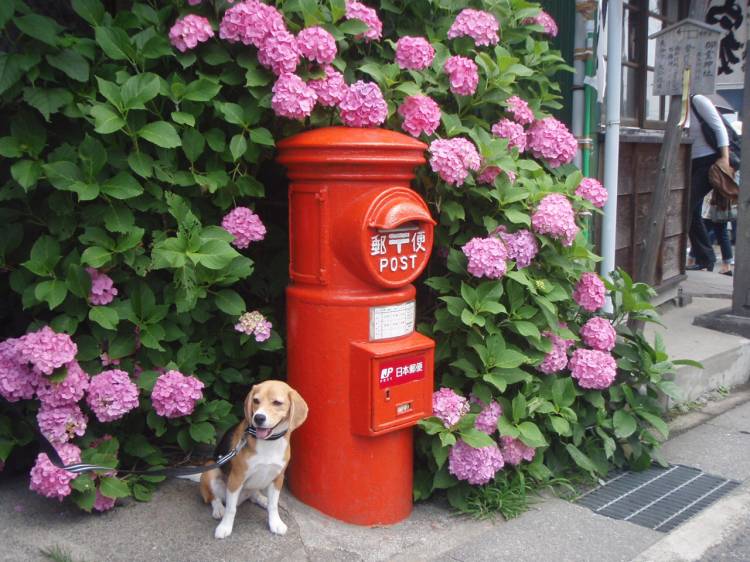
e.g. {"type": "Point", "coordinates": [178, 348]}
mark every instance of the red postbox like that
{"type": "Point", "coordinates": [358, 237]}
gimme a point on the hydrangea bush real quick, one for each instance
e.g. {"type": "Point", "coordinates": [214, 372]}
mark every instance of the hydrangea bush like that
{"type": "Point", "coordinates": [145, 235]}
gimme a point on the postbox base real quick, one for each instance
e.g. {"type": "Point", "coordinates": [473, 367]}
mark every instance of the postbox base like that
{"type": "Point", "coordinates": [363, 480]}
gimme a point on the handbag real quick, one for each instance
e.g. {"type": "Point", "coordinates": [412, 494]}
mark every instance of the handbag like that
{"type": "Point", "coordinates": [722, 182]}
{"type": "Point", "coordinates": [721, 209]}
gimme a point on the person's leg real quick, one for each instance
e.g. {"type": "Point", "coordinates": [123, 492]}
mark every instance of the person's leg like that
{"type": "Point", "coordinates": [699, 188]}
{"type": "Point", "coordinates": [722, 238]}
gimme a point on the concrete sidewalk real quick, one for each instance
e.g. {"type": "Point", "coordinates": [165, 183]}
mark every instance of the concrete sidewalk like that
{"type": "Point", "coordinates": [177, 527]}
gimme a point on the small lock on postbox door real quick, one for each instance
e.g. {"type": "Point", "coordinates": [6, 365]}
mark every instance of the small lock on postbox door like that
{"type": "Point", "coordinates": [358, 237]}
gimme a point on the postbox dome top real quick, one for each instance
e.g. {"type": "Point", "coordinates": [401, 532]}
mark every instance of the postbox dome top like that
{"type": "Point", "coordinates": [353, 137]}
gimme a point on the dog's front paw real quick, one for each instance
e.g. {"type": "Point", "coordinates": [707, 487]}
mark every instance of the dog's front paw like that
{"type": "Point", "coordinates": [223, 530]}
{"type": "Point", "coordinates": [218, 509]}
{"type": "Point", "coordinates": [277, 526]}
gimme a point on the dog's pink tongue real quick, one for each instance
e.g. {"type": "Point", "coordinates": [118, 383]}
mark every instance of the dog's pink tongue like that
{"type": "Point", "coordinates": [262, 432]}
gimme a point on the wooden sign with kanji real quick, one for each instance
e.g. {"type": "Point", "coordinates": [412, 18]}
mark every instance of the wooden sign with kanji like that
{"type": "Point", "coordinates": [686, 44]}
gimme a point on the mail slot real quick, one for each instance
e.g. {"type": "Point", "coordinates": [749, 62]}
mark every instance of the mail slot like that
{"type": "Point", "coordinates": [359, 236]}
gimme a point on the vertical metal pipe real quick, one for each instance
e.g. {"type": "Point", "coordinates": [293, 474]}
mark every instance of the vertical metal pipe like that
{"type": "Point", "coordinates": [741, 293]}
{"type": "Point", "coordinates": [612, 136]}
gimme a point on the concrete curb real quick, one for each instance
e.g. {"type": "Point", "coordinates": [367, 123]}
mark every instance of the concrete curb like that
{"type": "Point", "coordinates": [710, 528]}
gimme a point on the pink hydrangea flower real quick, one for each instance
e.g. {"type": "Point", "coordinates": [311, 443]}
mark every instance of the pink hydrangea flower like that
{"type": "Point", "coordinates": [50, 481]}
{"type": "Point", "coordinates": [550, 140]}
{"type": "Point", "coordinates": [487, 257]}
{"type": "Point", "coordinates": [520, 110]}
{"type": "Point", "coordinates": [514, 451]}
{"type": "Point", "coordinates": [331, 89]}
{"type": "Point", "coordinates": [590, 292]}
{"type": "Point", "coordinates": [190, 30]}
{"type": "Point", "coordinates": [522, 246]}
{"type": "Point", "coordinates": [279, 52]}
{"type": "Point", "coordinates": [103, 290]}
{"type": "Point", "coordinates": [69, 390]}
{"type": "Point", "coordinates": [554, 216]}
{"type": "Point", "coordinates": [46, 350]}
{"type": "Point", "coordinates": [477, 24]}
{"type": "Point", "coordinates": [448, 406]}
{"type": "Point", "coordinates": [414, 53]}
{"type": "Point", "coordinates": [103, 503]}
{"type": "Point", "coordinates": [254, 324]}
{"type": "Point", "coordinates": [194, 2]}
{"type": "Point", "coordinates": [174, 394]}
{"type": "Point", "coordinates": [107, 360]}
{"type": "Point", "coordinates": [111, 395]}
{"type": "Point", "coordinates": [487, 419]}
{"type": "Point", "coordinates": [514, 132]}
{"type": "Point", "coordinates": [244, 225]}
{"type": "Point", "coordinates": [358, 11]}
{"type": "Point", "coordinates": [453, 158]}
{"type": "Point", "coordinates": [557, 359]}
{"type": "Point", "coordinates": [60, 425]}
{"type": "Point", "coordinates": [546, 21]}
{"type": "Point", "coordinates": [476, 466]}
{"type": "Point", "coordinates": [292, 98]}
{"type": "Point", "coordinates": [463, 75]}
{"type": "Point", "coordinates": [17, 380]}
{"type": "Point", "coordinates": [421, 115]}
{"type": "Point", "coordinates": [593, 368]}
{"type": "Point", "coordinates": [598, 333]}
{"type": "Point", "coordinates": [250, 22]}
{"type": "Point", "coordinates": [316, 45]}
{"type": "Point", "coordinates": [488, 175]}
{"type": "Point", "coordinates": [363, 105]}
{"type": "Point", "coordinates": [593, 191]}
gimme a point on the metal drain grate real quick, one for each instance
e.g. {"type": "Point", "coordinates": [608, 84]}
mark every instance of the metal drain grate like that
{"type": "Point", "coordinates": [657, 498]}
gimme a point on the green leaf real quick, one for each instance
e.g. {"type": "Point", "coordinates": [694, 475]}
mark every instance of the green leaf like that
{"type": "Point", "coordinates": [510, 359]}
{"type": "Point", "coordinates": [531, 436]}
{"type": "Point", "coordinates": [47, 101]}
{"type": "Point", "coordinates": [141, 163]}
{"type": "Point", "coordinates": [201, 90]}
{"type": "Point", "coordinates": [52, 292]}
{"type": "Point", "coordinates": [118, 218]}
{"type": "Point", "coordinates": [105, 316]}
{"type": "Point", "coordinates": [519, 407]}
{"type": "Point", "coordinates": [625, 424]}
{"type": "Point", "coordinates": [233, 113]}
{"type": "Point", "coordinates": [230, 302]}
{"type": "Point", "coordinates": [182, 118]}
{"type": "Point", "coordinates": [581, 459]}
{"type": "Point", "coordinates": [261, 135]}
{"type": "Point", "coordinates": [95, 256]}
{"type": "Point", "coordinates": [90, 10]}
{"type": "Point", "coordinates": [41, 28]}
{"type": "Point", "coordinates": [93, 156]}
{"type": "Point", "coordinates": [111, 91]}
{"type": "Point", "coordinates": [10, 147]}
{"type": "Point", "coordinates": [122, 186]}
{"type": "Point", "coordinates": [106, 119]}
{"type": "Point", "coordinates": [161, 134]}
{"type": "Point", "coordinates": [563, 392]}
{"type": "Point", "coordinates": [656, 422]}
{"type": "Point", "coordinates": [6, 12]}
{"type": "Point", "coordinates": [476, 438]}
{"type": "Point", "coordinates": [560, 425]}
{"type": "Point", "coordinates": [71, 63]}
{"type": "Point", "coordinates": [113, 487]}
{"type": "Point", "coordinates": [139, 89]}
{"type": "Point", "coordinates": [63, 174]}
{"type": "Point", "coordinates": [202, 432]}
{"type": "Point", "coordinates": [78, 281]}
{"type": "Point", "coordinates": [193, 144]}
{"type": "Point", "coordinates": [26, 173]}
{"type": "Point", "coordinates": [214, 254]}
{"type": "Point", "coordinates": [114, 42]}
{"type": "Point", "coordinates": [45, 253]}
{"type": "Point", "coordinates": [237, 146]}
{"type": "Point", "coordinates": [353, 27]}
{"type": "Point", "coordinates": [84, 499]}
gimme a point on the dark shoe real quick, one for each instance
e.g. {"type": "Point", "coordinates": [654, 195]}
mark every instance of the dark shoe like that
{"type": "Point", "coordinates": [698, 267]}
{"type": "Point", "coordinates": [727, 273]}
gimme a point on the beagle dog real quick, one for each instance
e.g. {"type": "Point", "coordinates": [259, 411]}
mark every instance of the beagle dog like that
{"type": "Point", "coordinates": [273, 410]}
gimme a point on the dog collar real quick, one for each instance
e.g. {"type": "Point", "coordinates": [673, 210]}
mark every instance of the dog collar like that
{"type": "Point", "coordinates": [273, 437]}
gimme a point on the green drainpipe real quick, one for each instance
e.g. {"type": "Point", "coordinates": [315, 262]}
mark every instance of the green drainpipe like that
{"type": "Point", "coordinates": [588, 110]}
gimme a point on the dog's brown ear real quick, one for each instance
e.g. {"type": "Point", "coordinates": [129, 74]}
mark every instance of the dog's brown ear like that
{"type": "Point", "coordinates": [249, 403]}
{"type": "Point", "coordinates": [297, 410]}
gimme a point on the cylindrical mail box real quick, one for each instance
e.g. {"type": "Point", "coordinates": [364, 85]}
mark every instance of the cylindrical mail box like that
{"type": "Point", "coordinates": [358, 237]}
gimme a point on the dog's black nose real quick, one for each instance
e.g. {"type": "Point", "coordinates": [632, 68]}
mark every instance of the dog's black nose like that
{"type": "Point", "coordinates": [259, 419]}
